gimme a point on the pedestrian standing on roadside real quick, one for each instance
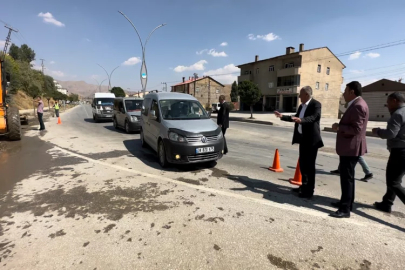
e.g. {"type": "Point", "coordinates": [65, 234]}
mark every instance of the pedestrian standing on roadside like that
{"type": "Point", "coordinates": [350, 145]}
{"type": "Point", "coordinates": [223, 119]}
{"type": "Point", "coordinates": [368, 174]}
{"type": "Point", "coordinates": [307, 134]}
{"type": "Point", "coordinates": [40, 112]}
{"type": "Point", "coordinates": [56, 106]}
{"type": "Point", "coordinates": [395, 136]}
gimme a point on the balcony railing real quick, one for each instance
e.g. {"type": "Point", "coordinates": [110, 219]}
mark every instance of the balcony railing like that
{"type": "Point", "coordinates": [288, 71]}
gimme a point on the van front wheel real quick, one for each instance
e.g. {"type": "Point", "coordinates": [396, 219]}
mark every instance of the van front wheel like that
{"type": "Point", "coordinates": [162, 155]}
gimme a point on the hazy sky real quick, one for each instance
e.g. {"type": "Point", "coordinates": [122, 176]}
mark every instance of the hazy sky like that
{"type": "Point", "coordinates": [206, 37]}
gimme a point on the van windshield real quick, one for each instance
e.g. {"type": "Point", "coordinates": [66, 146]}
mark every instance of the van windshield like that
{"type": "Point", "coordinates": [104, 101]}
{"type": "Point", "coordinates": [182, 110]}
{"type": "Point", "coordinates": [133, 105]}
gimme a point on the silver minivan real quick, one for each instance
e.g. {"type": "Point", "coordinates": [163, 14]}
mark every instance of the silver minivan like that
{"type": "Point", "coordinates": [127, 113]}
{"type": "Point", "coordinates": [178, 128]}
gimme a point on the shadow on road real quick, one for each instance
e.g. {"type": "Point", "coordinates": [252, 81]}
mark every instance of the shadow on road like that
{"type": "Point", "coordinates": [113, 129]}
{"type": "Point", "coordinates": [270, 191]}
{"type": "Point", "coordinates": [90, 120]}
{"type": "Point", "coordinates": [149, 157]}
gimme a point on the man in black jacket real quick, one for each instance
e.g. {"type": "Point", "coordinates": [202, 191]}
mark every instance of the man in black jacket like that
{"type": "Point", "coordinates": [223, 119]}
{"type": "Point", "coordinates": [308, 135]}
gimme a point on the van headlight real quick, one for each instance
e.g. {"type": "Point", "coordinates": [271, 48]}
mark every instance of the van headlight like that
{"type": "Point", "coordinates": [220, 135]}
{"type": "Point", "coordinates": [176, 137]}
{"type": "Point", "coordinates": [134, 118]}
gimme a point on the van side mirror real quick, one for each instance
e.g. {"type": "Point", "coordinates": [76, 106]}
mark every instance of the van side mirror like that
{"type": "Point", "coordinates": [209, 114]}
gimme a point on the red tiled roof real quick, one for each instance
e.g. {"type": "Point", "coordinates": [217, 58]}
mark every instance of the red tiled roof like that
{"type": "Point", "coordinates": [189, 81]}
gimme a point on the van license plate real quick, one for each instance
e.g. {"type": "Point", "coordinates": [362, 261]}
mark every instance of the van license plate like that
{"type": "Point", "coordinates": [204, 150]}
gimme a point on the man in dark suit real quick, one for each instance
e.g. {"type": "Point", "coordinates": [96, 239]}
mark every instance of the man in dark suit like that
{"type": "Point", "coordinates": [223, 119]}
{"type": "Point", "coordinates": [307, 134]}
{"type": "Point", "coordinates": [350, 145]}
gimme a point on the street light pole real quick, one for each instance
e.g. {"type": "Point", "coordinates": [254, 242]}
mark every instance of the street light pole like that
{"type": "Point", "coordinates": [144, 71]}
{"type": "Point", "coordinates": [109, 76]}
{"type": "Point", "coordinates": [99, 84]}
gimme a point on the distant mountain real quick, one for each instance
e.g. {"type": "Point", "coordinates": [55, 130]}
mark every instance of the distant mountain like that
{"type": "Point", "coordinates": [82, 88]}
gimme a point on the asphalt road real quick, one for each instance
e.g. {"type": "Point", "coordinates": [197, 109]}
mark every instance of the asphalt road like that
{"type": "Point", "coordinates": [87, 196]}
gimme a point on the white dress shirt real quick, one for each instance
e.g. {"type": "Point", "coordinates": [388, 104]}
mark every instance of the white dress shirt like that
{"type": "Point", "coordinates": [302, 113]}
{"type": "Point", "coordinates": [351, 102]}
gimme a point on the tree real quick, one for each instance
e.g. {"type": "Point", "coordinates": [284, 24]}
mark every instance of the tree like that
{"type": "Point", "coordinates": [23, 53]}
{"type": "Point", "coordinates": [49, 89]}
{"type": "Point", "coordinates": [26, 54]}
{"type": "Point", "coordinates": [73, 97]}
{"type": "Point", "coordinates": [118, 91]}
{"type": "Point", "coordinates": [14, 52]}
{"type": "Point", "coordinates": [33, 91]}
{"type": "Point", "coordinates": [249, 94]}
{"type": "Point", "coordinates": [234, 92]}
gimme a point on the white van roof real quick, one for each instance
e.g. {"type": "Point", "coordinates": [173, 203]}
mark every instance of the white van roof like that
{"type": "Point", "coordinates": [104, 95]}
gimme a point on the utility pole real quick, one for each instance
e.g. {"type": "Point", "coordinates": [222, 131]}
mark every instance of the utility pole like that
{"type": "Point", "coordinates": [8, 39]}
{"type": "Point", "coordinates": [165, 86]}
{"type": "Point", "coordinates": [42, 65]}
{"type": "Point", "coordinates": [195, 78]}
{"type": "Point", "coordinates": [209, 91]}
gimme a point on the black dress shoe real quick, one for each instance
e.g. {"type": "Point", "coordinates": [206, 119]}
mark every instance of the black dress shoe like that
{"type": "Point", "coordinates": [383, 207]}
{"type": "Point", "coordinates": [339, 214]}
{"type": "Point", "coordinates": [367, 177]}
{"type": "Point", "coordinates": [335, 204]}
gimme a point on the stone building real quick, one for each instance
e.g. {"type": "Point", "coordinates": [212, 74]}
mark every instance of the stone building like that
{"type": "Point", "coordinates": [207, 89]}
{"type": "Point", "coordinates": [375, 94]}
{"type": "Point", "coordinates": [280, 78]}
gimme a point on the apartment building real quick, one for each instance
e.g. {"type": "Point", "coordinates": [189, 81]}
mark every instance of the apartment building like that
{"type": "Point", "coordinates": [280, 78]}
{"type": "Point", "coordinates": [207, 89]}
{"type": "Point", "coordinates": [375, 94]}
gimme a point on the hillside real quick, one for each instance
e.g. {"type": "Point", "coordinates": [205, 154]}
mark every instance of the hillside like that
{"type": "Point", "coordinates": [82, 88]}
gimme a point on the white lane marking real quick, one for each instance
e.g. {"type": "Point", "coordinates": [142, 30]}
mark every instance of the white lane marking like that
{"type": "Point", "coordinates": [84, 108]}
{"type": "Point", "coordinates": [220, 192]}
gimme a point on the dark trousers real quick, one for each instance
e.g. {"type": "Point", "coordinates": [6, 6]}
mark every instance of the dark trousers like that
{"type": "Point", "coordinates": [394, 173]}
{"type": "Point", "coordinates": [41, 121]}
{"type": "Point", "coordinates": [57, 112]}
{"type": "Point", "coordinates": [225, 146]}
{"type": "Point", "coordinates": [307, 160]}
{"type": "Point", "coordinates": [346, 166]}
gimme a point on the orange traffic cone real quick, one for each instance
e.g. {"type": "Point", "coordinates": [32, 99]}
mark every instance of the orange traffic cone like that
{"type": "Point", "coordinates": [59, 121]}
{"type": "Point", "coordinates": [297, 180]}
{"type": "Point", "coordinates": [276, 163]}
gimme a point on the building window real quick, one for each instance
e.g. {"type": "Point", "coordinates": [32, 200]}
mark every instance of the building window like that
{"type": "Point", "coordinates": [246, 72]}
{"type": "Point", "coordinates": [257, 71]}
{"type": "Point", "coordinates": [289, 65]}
{"type": "Point", "coordinates": [217, 91]}
{"type": "Point", "coordinates": [197, 89]}
{"type": "Point", "coordinates": [317, 85]}
{"type": "Point", "coordinates": [271, 84]}
{"type": "Point", "coordinates": [271, 68]}
{"type": "Point", "coordinates": [319, 69]}
{"type": "Point", "coordinates": [327, 71]}
{"type": "Point", "coordinates": [289, 80]}
{"type": "Point", "coordinates": [327, 87]}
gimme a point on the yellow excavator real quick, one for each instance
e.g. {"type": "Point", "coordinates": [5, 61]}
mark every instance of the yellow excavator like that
{"type": "Point", "coordinates": [10, 123]}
